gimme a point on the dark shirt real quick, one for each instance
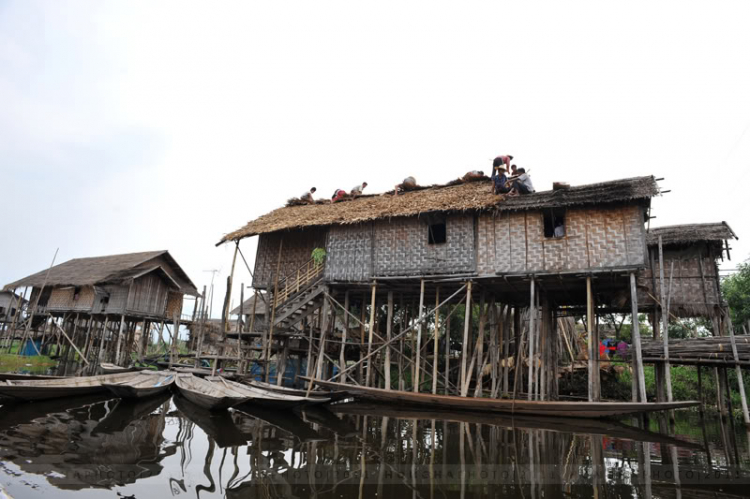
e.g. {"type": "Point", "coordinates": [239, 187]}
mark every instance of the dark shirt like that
{"type": "Point", "coordinates": [500, 179]}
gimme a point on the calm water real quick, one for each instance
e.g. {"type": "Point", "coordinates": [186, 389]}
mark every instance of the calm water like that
{"type": "Point", "coordinates": [168, 447]}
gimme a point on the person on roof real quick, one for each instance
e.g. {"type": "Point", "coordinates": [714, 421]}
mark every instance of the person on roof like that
{"type": "Point", "coordinates": [338, 195]}
{"type": "Point", "coordinates": [499, 178]}
{"type": "Point", "coordinates": [523, 184]}
{"type": "Point", "coordinates": [408, 184]}
{"type": "Point", "coordinates": [308, 196]}
{"type": "Point", "coordinates": [502, 160]}
{"type": "Point", "coordinates": [357, 189]}
{"type": "Point", "coordinates": [473, 174]}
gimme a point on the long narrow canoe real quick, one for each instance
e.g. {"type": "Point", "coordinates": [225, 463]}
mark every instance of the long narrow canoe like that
{"type": "Point", "coordinates": [294, 391]}
{"type": "Point", "coordinates": [267, 398]}
{"type": "Point", "coordinates": [27, 377]}
{"type": "Point", "coordinates": [211, 396]}
{"type": "Point", "coordinates": [55, 388]}
{"type": "Point", "coordinates": [107, 368]}
{"type": "Point", "coordinates": [526, 407]}
{"type": "Point", "coordinates": [142, 384]}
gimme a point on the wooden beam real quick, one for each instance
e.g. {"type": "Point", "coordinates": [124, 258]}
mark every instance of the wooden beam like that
{"type": "Point", "coordinates": [435, 340]}
{"type": "Point", "coordinates": [342, 354]}
{"type": "Point", "coordinates": [419, 336]}
{"type": "Point", "coordinates": [388, 335]}
{"type": "Point", "coordinates": [465, 342]}
{"type": "Point", "coordinates": [637, 339]}
{"type": "Point", "coordinates": [740, 381]}
{"type": "Point", "coordinates": [371, 329]}
{"type": "Point", "coordinates": [665, 323]}
{"type": "Point", "coordinates": [532, 337]}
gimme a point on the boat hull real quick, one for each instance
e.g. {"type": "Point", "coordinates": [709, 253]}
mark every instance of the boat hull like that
{"type": "Point", "coordinates": [161, 383]}
{"type": "Point", "coordinates": [525, 407]}
{"type": "Point", "coordinates": [206, 394]}
{"type": "Point", "coordinates": [58, 388]}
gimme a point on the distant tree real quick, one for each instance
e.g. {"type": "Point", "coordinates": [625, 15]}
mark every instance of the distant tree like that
{"type": "Point", "coordinates": [736, 290]}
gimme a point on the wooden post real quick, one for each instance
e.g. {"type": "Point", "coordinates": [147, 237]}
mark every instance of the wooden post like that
{"type": "Point", "coordinates": [272, 303]}
{"type": "Point", "coordinates": [342, 355]}
{"type": "Point", "coordinates": [593, 346]}
{"type": "Point", "coordinates": [435, 340]}
{"type": "Point", "coordinates": [532, 337]}
{"type": "Point", "coordinates": [388, 333]}
{"type": "Point", "coordinates": [740, 381]}
{"type": "Point", "coordinates": [465, 342]}
{"type": "Point", "coordinates": [360, 375]}
{"type": "Point", "coordinates": [240, 327]}
{"type": "Point", "coordinates": [637, 339]}
{"type": "Point", "coordinates": [119, 339]}
{"type": "Point", "coordinates": [665, 324]}
{"type": "Point", "coordinates": [324, 320]}
{"type": "Point", "coordinates": [419, 336]}
{"type": "Point", "coordinates": [447, 336]}
{"type": "Point", "coordinates": [480, 343]}
{"type": "Point", "coordinates": [368, 375]}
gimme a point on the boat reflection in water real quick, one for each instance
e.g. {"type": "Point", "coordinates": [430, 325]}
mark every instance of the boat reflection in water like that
{"type": "Point", "coordinates": [166, 447]}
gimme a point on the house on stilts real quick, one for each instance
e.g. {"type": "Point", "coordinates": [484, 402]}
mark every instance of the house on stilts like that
{"type": "Point", "coordinates": [367, 288]}
{"type": "Point", "coordinates": [103, 308]}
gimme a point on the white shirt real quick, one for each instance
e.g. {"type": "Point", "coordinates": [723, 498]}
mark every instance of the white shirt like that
{"type": "Point", "coordinates": [526, 180]}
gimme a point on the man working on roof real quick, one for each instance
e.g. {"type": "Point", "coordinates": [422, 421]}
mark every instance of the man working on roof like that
{"type": "Point", "coordinates": [357, 190]}
{"type": "Point", "coordinates": [499, 177]}
{"type": "Point", "coordinates": [502, 160]}
{"type": "Point", "coordinates": [408, 184]}
{"type": "Point", "coordinates": [308, 196]}
{"type": "Point", "coordinates": [523, 185]}
{"type": "Point", "coordinates": [338, 195]}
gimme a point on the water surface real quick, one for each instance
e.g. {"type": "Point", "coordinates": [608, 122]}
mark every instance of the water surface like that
{"type": "Point", "coordinates": [168, 447]}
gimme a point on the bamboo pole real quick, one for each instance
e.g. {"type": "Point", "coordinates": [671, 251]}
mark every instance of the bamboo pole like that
{"type": "Point", "coordinates": [324, 321]}
{"type": "Point", "coordinates": [119, 339]}
{"type": "Point", "coordinates": [665, 323]}
{"type": "Point", "coordinates": [637, 339]}
{"type": "Point", "coordinates": [419, 336]}
{"type": "Point", "coordinates": [740, 381]}
{"type": "Point", "coordinates": [465, 342]}
{"type": "Point", "coordinates": [447, 335]}
{"type": "Point", "coordinates": [368, 375]}
{"type": "Point", "coordinates": [592, 348]}
{"type": "Point", "coordinates": [388, 335]}
{"type": "Point", "coordinates": [435, 340]}
{"type": "Point", "coordinates": [532, 337]}
{"type": "Point", "coordinates": [342, 355]}
{"type": "Point", "coordinates": [480, 343]}
{"type": "Point", "coordinates": [272, 302]}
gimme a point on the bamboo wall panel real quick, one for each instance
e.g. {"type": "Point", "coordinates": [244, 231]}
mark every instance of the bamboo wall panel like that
{"type": "Point", "coordinates": [297, 250]}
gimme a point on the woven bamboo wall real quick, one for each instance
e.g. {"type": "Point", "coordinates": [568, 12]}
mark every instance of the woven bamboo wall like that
{"type": "Point", "coordinates": [297, 250]}
{"type": "Point", "coordinates": [64, 299]}
{"type": "Point", "coordinates": [693, 294]}
{"type": "Point", "coordinates": [174, 304]}
{"type": "Point", "coordinates": [595, 238]}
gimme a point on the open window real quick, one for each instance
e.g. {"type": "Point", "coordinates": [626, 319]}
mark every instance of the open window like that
{"type": "Point", "coordinates": [554, 222]}
{"type": "Point", "coordinates": [436, 233]}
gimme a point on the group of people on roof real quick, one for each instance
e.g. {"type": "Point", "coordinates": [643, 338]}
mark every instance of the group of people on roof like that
{"type": "Point", "coordinates": [519, 182]}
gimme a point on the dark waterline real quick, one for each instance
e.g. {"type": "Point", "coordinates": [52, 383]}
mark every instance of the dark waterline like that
{"type": "Point", "coordinates": [167, 447]}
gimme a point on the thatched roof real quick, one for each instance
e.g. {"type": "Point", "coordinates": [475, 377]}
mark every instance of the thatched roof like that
{"type": "Point", "coordinates": [110, 269]}
{"type": "Point", "coordinates": [454, 197]}
{"type": "Point", "coordinates": [690, 233]}
{"type": "Point", "coordinates": [247, 307]}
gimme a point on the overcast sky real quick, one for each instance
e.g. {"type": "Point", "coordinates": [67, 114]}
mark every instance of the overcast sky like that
{"type": "Point", "coordinates": [134, 126]}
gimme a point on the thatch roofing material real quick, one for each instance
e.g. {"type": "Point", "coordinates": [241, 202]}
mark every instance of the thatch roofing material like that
{"type": "Point", "coordinates": [454, 197]}
{"type": "Point", "coordinates": [100, 270]}
{"type": "Point", "coordinates": [690, 233]}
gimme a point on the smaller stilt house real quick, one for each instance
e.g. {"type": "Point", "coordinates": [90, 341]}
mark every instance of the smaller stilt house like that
{"type": "Point", "coordinates": [10, 305]}
{"type": "Point", "coordinates": [93, 304]}
{"type": "Point", "coordinates": [249, 308]}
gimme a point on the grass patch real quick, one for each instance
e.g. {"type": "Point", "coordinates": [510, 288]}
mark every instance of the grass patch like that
{"type": "Point", "coordinates": [38, 364]}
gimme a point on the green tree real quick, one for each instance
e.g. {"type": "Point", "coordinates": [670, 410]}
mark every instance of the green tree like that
{"type": "Point", "coordinates": [736, 290]}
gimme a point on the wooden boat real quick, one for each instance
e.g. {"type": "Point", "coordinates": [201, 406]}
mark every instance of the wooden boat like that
{"type": "Point", "coordinates": [142, 384]}
{"type": "Point", "coordinates": [107, 368]}
{"type": "Point", "coordinates": [267, 398]}
{"type": "Point", "coordinates": [203, 372]}
{"type": "Point", "coordinates": [330, 395]}
{"type": "Point", "coordinates": [28, 377]}
{"type": "Point", "coordinates": [211, 396]}
{"type": "Point", "coordinates": [528, 407]}
{"type": "Point", "coordinates": [63, 387]}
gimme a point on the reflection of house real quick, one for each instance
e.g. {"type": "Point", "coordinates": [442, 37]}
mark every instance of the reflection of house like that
{"type": "Point", "coordinates": [9, 304]}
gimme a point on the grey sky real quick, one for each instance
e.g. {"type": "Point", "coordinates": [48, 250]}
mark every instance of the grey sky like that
{"type": "Point", "coordinates": [132, 126]}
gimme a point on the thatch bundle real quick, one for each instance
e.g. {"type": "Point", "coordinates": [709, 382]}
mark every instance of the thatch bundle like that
{"type": "Point", "coordinates": [713, 347]}
{"type": "Point", "coordinates": [458, 196]}
{"type": "Point", "coordinates": [690, 233]}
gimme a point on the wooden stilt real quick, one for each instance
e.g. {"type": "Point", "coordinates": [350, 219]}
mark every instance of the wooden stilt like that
{"type": "Point", "coordinates": [273, 303]}
{"type": "Point", "coordinates": [480, 344]}
{"type": "Point", "coordinates": [592, 346]}
{"type": "Point", "coordinates": [532, 338]}
{"type": "Point", "coordinates": [435, 341]}
{"type": "Point", "coordinates": [665, 324]}
{"type": "Point", "coordinates": [388, 335]}
{"type": "Point", "coordinates": [321, 351]}
{"type": "Point", "coordinates": [342, 354]}
{"type": "Point", "coordinates": [371, 329]}
{"type": "Point", "coordinates": [637, 339]}
{"type": "Point", "coordinates": [419, 336]}
{"type": "Point", "coordinates": [740, 381]}
{"type": "Point", "coordinates": [465, 342]}
{"type": "Point", "coordinates": [447, 335]}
